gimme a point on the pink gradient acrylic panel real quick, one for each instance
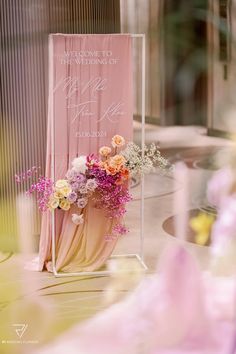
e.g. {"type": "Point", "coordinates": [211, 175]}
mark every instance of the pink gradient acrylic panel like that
{"type": "Point", "coordinates": [90, 100]}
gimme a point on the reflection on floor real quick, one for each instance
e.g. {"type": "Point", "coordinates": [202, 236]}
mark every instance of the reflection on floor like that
{"type": "Point", "coordinates": [49, 305]}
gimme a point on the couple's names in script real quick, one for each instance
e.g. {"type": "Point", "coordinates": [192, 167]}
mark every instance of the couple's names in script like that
{"type": "Point", "coordinates": [85, 97]}
{"type": "Point", "coordinates": [74, 88]}
{"type": "Point", "coordinates": [88, 93]}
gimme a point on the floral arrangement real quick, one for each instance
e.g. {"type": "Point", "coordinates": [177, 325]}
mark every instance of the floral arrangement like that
{"type": "Point", "coordinates": [102, 180]}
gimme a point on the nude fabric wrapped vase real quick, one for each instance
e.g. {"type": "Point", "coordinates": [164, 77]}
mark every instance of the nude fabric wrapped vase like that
{"type": "Point", "coordinates": [90, 100]}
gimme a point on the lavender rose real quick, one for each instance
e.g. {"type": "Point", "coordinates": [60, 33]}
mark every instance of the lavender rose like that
{"type": "Point", "coordinates": [82, 202]}
{"type": "Point", "coordinates": [80, 178]}
{"type": "Point", "coordinates": [75, 186]}
{"type": "Point", "coordinates": [72, 197]}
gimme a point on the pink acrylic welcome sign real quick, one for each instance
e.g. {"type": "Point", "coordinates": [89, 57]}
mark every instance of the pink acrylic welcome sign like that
{"type": "Point", "coordinates": [90, 100]}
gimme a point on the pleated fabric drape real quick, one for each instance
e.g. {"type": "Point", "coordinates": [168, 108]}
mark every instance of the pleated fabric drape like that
{"type": "Point", "coordinates": [25, 25]}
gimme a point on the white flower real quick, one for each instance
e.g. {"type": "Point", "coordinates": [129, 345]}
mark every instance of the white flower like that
{"type": "Point", "coordinates": [79, 164]}
{"type": "Point", "coordinates": [77, 219]}
{"type": "Point", "coordinates": [61, 183]}
{"type": "Point", "coordinates": [91, 184]}
{"type": "Point", "coordinates": [83, 190]}
{"type": "Point", "coordinates": [71, 174]}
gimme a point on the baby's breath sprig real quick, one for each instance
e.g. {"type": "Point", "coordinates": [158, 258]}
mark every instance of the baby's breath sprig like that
{"type": "Point", "coordinates": [139, 163]}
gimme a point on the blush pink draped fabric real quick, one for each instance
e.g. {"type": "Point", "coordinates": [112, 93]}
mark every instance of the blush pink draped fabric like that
{"type": "Point", "coordinates": [90, 100]}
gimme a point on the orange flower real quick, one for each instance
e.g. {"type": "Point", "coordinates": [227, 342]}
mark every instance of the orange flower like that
{"type": "Point", "coordinates": [125, 173]}
{"type": "Point", "coordinates": [117, 161]}
{"type": "Point", "coordinates": [113, 165]}
{"type": "Point", "coordinates": [124, 176]}
{"type": "Point", "coordinates": [110, 170]}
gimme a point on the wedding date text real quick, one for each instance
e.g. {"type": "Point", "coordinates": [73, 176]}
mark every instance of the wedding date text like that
{"type": "Point", "coordinates": [92, 134]}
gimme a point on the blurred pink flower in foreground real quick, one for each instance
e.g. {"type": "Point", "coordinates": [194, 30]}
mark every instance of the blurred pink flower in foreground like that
{"type": "Point", "coordinates": [219, 186]}
{"type": "Point", "coordinates": [225, 224]}
{"type": "Point", "coordinates": [224, 228]}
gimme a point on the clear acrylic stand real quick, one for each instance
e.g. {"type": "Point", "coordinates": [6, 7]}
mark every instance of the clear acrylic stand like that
{"type": "Point", "coordinates": [140, 254]}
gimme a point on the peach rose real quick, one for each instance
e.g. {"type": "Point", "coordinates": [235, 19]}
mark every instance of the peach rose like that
{"type": "Point", "coordinates": [117, 161]}
{"type": "Point", "coordinates": [105, 151]}
{"type": "Point", "coordinates": [110, 170]}
{"type": "Point", "coordinates": [117, 141]}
